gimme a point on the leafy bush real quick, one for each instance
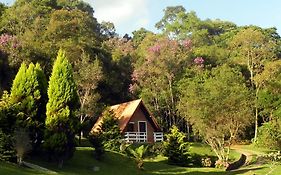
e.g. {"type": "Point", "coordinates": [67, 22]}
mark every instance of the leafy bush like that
{"type": "Point", "coordinates": [206, 162]}
{"type": "Point", "coordinates": [269, 135]}
{"type": "Point", "coordinates": [273, 156]}
{"type": "Point", "coordinates": [8, 112]}
{"type": "Point", "coordinates": [110, 132]}
{"type": "Point", "coordinates": [60, 147]}
{"type": "Point", "coordinates": [155, 149]}
{"type": "Point", "coordinates": [175, 147]}
{"type": "Point", "coordinates": [198, 160]}
{"type": "Point", "coordinates": [29, 93]}
{"type": "Point", "coordinates": [221, 164]}
{"type": "Point", "coordinates": [6, 147]}
{"type": "Point", "coordinates": [139, 154]}
{"type": "Point", "coordinates": [96, 141]}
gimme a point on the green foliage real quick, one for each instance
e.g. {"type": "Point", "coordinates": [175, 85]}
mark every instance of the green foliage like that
{"type": "Point", "coordinates": [61, 123]}
{"type": "Point", "coordinates": [87, 77]}
{"type": "Point", "coordinates": [96, 141]}
{"type": "Point", "coordinates": [272, 156]}
{"type": "Point", "coordinates": [75, 4]}
{"type": "Point", "coordinates": [269, 135]}
{"type": "Point", "coordinates": [155, 149]}
{"type": "Point", "coordinates": [6, 147]}
{"type": "Point", "coordinates": [117, 70]}
{"type": "Point", "coordinates": [176, 147]}
{"type": "Point", "coordinates": [3, 7]}
{"type": "Point", "coordinates": [8, 112]}
{"type": "Point", "coordinates": [217, 98]}
{"type": "Point", "coordinates": [107, 30]}
{"type": "Point", "coordinates": [110, 132]}
{"type": "Point", "coordinates": [139, 35]}
{"type": "Point", "coordinates": [139, 155]}
{"type": "Point", "coordinates": [28, 93]}
{"type": "Point", "coordinates": [60, 146]}
{"type": "Point", "coordinates": [160, 54]}
{"type": "Point", "coordinates": [269, 102]}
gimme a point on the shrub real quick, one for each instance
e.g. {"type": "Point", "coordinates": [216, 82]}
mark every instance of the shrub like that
{"type": "Point", "coordinates": [139, 154]}
{"type": "Point", "coordinates": [155, 149]}
{"type": "Point", "coordinates": [198, 160]}
{"type": "Point", "coordinates": [110, 132]}
{"type": "Point", "coordinates": [28, 92]}
{"type": "Point", "coordinates": [206, 162]}
{"type": "Point", "coordinates": [273, 156]}
{"type": "Point", "coordinates": [269, 135]}
{"type": "Point", "coordinates": [221, 164]}
{"type": "Point", "coordinates": [175, 147]}
{"type": "Point", "coordinates": [96, 141]}
{"type": "Point", "coordinates": [8, 112]}
{"type": "Point", "coordinates": [6, 147]}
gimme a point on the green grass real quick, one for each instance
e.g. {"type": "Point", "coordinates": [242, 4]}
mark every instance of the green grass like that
{"type": "Point", "coordinates": [117, 164]}
{"type": "Point", "coordinates": [256, 149]}
{"type": "Point", "coordinates": [13, 169]}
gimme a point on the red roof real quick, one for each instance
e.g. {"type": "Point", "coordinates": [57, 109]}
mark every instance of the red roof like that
{"type": "Point", "coordinates": [123, 112]}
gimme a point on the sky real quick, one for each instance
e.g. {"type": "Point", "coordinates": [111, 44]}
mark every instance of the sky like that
{"type": "Point", "coordinates": [130, 15]}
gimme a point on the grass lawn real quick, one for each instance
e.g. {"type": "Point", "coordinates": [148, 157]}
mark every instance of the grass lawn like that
{"type": "Point", "coordinates": [13, 169]}
{"type": "Point", "coordinates": [116, 164]}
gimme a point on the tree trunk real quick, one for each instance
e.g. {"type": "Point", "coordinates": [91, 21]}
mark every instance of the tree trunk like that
{"type": "Point", "coordinates": [81, 132]}
{"type": "Point", "coordinates": [19, 159]}
{"type": "Point", "coordinates": [256, 124]}
{"type": "Point", "coordinates": [188, 131]}
{"type": "Point", "coordinates": [60, 163]}
{"type": "Point", "coordinates": [256, 116]}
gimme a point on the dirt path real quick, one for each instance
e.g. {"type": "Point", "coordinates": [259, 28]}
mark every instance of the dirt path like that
{"type": "Point", "coordinates": [248, 153]}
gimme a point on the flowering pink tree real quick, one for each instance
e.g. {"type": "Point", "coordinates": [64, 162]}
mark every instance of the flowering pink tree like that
{"type": "Point", "coordinates": [163, 60]}
{"type": "Point", "coordinates": [10, 46]}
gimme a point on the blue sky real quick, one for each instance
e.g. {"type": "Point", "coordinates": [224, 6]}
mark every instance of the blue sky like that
{"type": "Point", "coordinates": [129, 15]}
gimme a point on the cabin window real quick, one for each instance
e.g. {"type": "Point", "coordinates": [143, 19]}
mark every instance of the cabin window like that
{"type": "Point", "coordinates": [142, 126]}
{"type": "Point", "coordinates": [130, 127]}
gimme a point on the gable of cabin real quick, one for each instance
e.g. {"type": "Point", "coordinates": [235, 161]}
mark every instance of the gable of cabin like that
{"type": "Point", "coordinates": [140, 118]}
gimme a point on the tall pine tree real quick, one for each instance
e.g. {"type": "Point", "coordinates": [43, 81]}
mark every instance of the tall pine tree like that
{"type": "Point", "coordinates": [28, 93]}
{"type": "Point", "coordinates": [61, 124]}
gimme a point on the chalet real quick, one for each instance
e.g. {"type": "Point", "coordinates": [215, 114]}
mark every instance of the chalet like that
{"type": "Point", "coordinates": [135, 122]}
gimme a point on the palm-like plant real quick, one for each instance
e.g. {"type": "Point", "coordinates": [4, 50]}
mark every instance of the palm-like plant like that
{"type": "Point", "coordinates": [139, 155]}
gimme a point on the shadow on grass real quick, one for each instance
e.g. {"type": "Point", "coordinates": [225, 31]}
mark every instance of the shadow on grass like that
{"type": "Point", "coordinates": [161, 167]}
{"type": "Point", "coordinates": [83, 163]}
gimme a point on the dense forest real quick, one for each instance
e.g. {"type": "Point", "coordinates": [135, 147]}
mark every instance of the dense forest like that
{"type": "Point", "coordinates": [216, 81]}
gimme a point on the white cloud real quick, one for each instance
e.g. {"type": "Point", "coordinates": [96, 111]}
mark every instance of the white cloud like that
{"type": "Point", "coordinates": [125, 14]}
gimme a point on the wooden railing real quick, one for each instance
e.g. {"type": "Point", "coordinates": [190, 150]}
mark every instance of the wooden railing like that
{"type": "Point", "coordinates": [142, 136]}
{"type": "Point", "coordinates": [135, 136]}
{"type": "Point", "coordinates": [158, 136]}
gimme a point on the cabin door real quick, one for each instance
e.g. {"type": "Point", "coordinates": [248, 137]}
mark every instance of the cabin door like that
{"type": "Point", "coordinates": [142, 135]}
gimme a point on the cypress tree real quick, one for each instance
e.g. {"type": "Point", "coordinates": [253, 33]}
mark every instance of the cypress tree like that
{"type": "Point", "coordinates": [61, 124]}
{"type": "Point", "coordinates": [28, 93]}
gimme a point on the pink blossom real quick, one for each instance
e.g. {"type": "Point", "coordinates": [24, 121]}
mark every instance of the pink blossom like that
{"type": "Point", "coordinates": [187, 43]}
{"type": "Point", "coordinates": [135, 76]}
{"type": "Point", "coordinates": [9, 40]}
{"type": "Point", "coordinates": [155, 48]}
{"type": "Point", "coordinates": [5, 38]}
{"type": "Point", "coordinates": [132, 88]}
{"type": "Point", "coordinates": [199, 60]}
